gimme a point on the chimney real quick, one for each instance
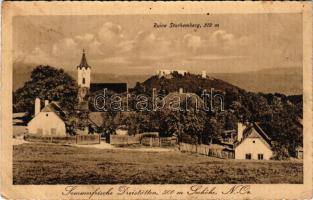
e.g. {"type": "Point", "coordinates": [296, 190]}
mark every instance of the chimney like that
{"type": "Point", "coordinates": [203, 74]}
{"type": "Point", "coordinates": [181, 91]}
{"type": "Point", "coordinates": [240, 128]}
{"type": "Point", "coordinates": [46, 102]}
{"type": "Point", "coordinates": [37, 106]}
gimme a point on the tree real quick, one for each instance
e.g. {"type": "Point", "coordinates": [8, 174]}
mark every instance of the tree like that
{"type": "Point", "coordinates": [47, 83]}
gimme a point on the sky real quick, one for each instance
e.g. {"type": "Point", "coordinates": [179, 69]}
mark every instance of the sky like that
{"type": "Point", "coordinates": [130, 44]}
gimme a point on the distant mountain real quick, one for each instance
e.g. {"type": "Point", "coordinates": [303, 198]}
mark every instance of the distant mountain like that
{"type": "Point", "coordinates": [281, 80]}
{"type": "Point", "coordinates": [22, 72]}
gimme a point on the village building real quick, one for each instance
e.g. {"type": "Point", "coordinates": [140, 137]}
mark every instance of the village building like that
{"type": "Point", "coordinates": [121, 130]}
{"type": "Point", "coordinates": [299, 152]}
{"type": "Point", "coordinates": [47, 122]}
{"type": "Point", "coordinates": [50, 121]}
{"type": "Point", "coordinates": [228, 137]}
{"type": "Point", "coordinates": [253, 143]}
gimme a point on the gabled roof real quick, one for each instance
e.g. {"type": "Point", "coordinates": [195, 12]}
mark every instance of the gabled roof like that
{"type": "Point", "coordinates": [54, 107]}
{"type": "Point", "coordinates": [83, 62]}
{"type": "Point", "coordinates": [255, 131]}
{"type": "Point", "coordinates": [299, 148]}
{"type": "Point", "coordinates": [229, 131]}
{"type": "Point", "coordinates": [98, 118]}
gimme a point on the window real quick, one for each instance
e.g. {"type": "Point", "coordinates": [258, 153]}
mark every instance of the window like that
{"type": "Point", "coordinates": [83, 80]}
{"type": "Point", "coordinates": [248, 156]}
{"type": "Point", "coordinates": [260, 156]}
{"type": "Point", "coordinates": [47, 115]}
{"type": "Point", "coordinates": [253, 141]}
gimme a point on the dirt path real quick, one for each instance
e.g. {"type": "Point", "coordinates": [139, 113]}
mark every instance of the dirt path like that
{"type": "Point", "coordinates": [19, 140]}
{"type": "Point", "coordinates": [104, 145]}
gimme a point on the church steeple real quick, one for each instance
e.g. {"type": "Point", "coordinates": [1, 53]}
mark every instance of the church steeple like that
{"type": "Point", "coordinates": [83, 73]}
{"type": "Point", "coordinates": [83, 62]}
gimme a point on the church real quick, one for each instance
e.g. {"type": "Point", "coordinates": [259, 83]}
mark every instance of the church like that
{"type": "Point", "coordinates": [51, 120]}
{"type": "Point", "coordinates": [86, 87]}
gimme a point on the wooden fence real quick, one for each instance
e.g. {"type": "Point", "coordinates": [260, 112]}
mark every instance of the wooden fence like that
{"type": "Point", "coordinates": [150, 141]}
{"type": "Point", "coordinates": [88, 139]}
{"type": "Point", "coordinates": [159, 141]}
{"type": "Point", "coordinates": [78, 139]}
{"type": "Point", "coordinates": [208, 150]}
{"type": "Point", "coordinates": [168, 141]}
{"type": "Point", "coordinates": [50, 139]}
{"type": "Point", "coordinates": [124, 139]}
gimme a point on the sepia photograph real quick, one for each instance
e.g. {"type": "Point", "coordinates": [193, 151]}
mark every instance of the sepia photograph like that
{"type": "Point", "coordinates": [190, 98]}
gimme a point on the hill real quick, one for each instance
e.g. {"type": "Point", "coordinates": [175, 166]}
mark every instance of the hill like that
{"type": "Point", "coordinates": [275, 80]}
{"type": "Point", "coordinates": [190, 83]}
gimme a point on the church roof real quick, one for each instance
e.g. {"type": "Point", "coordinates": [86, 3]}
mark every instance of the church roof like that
{"type": "Point", "coordinates": [115, 87]}
{"type": "Point", "coordinates": [83, 62]}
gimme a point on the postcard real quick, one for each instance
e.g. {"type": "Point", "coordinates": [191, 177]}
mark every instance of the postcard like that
{"type": "Point", "coordinates": [156, 100]}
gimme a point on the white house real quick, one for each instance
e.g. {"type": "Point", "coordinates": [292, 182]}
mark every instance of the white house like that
{"type": "Point", "coordinates": [121, 130]}
{"type": "Point", "coordinates": [253, 143]}
{"type": "Point", "coordinates": [48, 121]}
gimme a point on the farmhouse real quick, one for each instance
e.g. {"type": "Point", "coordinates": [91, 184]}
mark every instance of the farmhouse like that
{"type": "Point", "coordinates": [253, 143]}
{"type": "Point", "coordinates": [49, 121]}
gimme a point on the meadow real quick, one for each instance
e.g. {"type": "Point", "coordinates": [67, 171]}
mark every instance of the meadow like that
{"type": "Point", "coordinates": [40, 163]}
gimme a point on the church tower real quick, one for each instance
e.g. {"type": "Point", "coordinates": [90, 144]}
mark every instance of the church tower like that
{"type": "Point", "coordinates": [83, 78]}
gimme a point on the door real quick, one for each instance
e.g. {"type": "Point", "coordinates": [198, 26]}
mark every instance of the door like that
{"type": "Point", "coordinates": [53, 131]}
{"type": "Point", "coordinates": [39, 131]}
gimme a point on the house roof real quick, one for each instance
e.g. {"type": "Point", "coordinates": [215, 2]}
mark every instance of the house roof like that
{"type": "Point", "coordinates": [255, 131]}
{"type": "Point", "coordinates": [98, 118]}
{"type": "Point", "coordinates": [122, 127]}
{"type": "Point", "coordinates": [115, 87]}
{"type": "Point", "coordinates": [299, 148]}
{"type": "Point", "coordinates": [54, 107]}
{"type": "Point", "coordinates": [229, 131]}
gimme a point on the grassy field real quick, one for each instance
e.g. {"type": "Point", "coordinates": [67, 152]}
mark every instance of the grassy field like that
{"type": "Point", "coordinates": [35, 163]}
